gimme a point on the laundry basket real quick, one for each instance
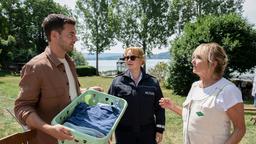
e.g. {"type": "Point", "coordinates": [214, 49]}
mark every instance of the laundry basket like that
{"type": "Point", "coordinates": [90, 97]}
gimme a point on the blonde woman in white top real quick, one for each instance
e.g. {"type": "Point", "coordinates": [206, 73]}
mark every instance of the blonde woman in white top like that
{"type": "Point", "coordinates": [213, 102]}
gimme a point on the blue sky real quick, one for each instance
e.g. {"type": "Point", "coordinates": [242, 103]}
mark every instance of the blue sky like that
{"type": "Point", "coordinates": [249, 13]}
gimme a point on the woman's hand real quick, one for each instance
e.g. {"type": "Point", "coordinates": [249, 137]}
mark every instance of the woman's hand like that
{"type": "Point", "coordinates": [159, 137]}
{"type": "Point", "coordinates": [166, 103]}
{"type": "Point", "coordinates": [97, 88]}
{"type": "Point", "coordinates": [83, 90]}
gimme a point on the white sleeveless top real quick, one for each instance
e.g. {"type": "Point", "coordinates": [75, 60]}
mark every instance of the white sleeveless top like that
{"type": "Point", "coordinates": [204, 112]}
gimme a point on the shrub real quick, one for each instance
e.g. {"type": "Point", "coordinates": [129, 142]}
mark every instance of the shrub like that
{"type": "Point", "coordinates": [159, 70]}
{"type": "Point", "coordinates": [231, 31]}
{"type": "Point", "coordinates": [78, 58]}
{"type": "Point", "coordinates": [86, 70]}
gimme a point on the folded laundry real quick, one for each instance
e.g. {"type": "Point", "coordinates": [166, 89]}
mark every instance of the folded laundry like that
{"type": "Point", "coordinates": [96, 120]}
{"type": "Point", "coordinates": [82, 129]}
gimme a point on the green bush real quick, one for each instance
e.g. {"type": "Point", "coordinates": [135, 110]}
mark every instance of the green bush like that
{"type": "Point", "coordinates": [159, 70]}
{"type": "Point", "coordinates": [231, 31]}
{"type": "Point", "coordinates": [78, 58]}
{"type": "Point", "coordinates": [86, 70]}
{"type": "Point", "coordinates": [180, 77]}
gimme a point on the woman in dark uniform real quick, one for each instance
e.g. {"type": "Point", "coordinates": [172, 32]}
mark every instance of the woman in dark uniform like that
{"type": "Point", "coordinates": [144, 120]}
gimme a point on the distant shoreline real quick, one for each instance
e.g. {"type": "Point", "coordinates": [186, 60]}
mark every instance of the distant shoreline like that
{"type": "Point", "coordinates": [117, 59]}
{"type": "Point", "coordinates": [106, 65]}
{"type": "Point", "coordinates": [116, 56]}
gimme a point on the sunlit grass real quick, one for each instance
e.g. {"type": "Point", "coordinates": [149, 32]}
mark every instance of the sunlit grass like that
{"type": "Point", "coordinates": [173, 134]}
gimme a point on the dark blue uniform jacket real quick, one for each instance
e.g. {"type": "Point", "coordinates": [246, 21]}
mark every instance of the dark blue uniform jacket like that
{"type": "Point", "coordinates": [143, 106]}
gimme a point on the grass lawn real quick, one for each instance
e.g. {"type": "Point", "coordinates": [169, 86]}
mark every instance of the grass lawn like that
{"type": "Point", "coordinates": [173, 134]}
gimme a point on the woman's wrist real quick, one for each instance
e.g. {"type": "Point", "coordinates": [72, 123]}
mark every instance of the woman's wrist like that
{"type": "Point", "coordinates": [172, 107]}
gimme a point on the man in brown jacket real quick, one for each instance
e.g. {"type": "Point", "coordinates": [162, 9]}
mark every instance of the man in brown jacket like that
{"type": "Point", "coordinates": [49, 82]}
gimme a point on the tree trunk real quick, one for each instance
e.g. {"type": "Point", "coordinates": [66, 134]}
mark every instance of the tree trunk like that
{"type": "Point", "coordinates": [97, 61]}
{"type": "Point", "coordinates": [145, 53]}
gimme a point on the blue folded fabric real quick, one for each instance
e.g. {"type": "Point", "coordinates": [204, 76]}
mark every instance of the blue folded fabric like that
{"type": "Point", "coordinates": [100, 117]}
{"type": "Point", "coordinates": [89, 131]}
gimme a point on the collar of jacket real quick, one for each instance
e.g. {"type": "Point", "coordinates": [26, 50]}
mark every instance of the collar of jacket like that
{"type": "Point", "coordinates": [144, 74]}
{"type": "Point", "coordinates": [54, 58]}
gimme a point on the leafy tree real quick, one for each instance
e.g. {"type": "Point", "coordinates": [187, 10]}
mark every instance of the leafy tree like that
{"type": "Point", "coordinates": [11, 18]}
{"type": "Point", "coordinates": [78, 58]}
{"type": "Point", "coordinates": [230, 31]}
{"type": "Point", "coordinates": [22, 20]}
{"type": "Point", "coordinates": [6, 54]}
{"type": "Point", "coordinates": [188, 10]}
{"type": "Point", "coordinates": [144, 23]}
{"type": "Point", "coordinates": [159, 71]}
{"type": "Point", "coordinates": [36, 11]}
{"type": "Point", "coordinates": [98, 27]}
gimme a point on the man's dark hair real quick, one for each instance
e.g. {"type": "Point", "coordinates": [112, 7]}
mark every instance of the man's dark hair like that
{"type": "Point", "coordinates": [56, 22]}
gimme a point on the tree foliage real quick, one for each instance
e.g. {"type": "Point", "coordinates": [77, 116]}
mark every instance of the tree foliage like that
{"type": "Point", "coordinates": [97, 28]}
{"type": "Point", "coordinates": [36, 11]}
{"type": "Point", "coordinates": [188, 10]}
{"type": "Point", "coordinates": [22, 21]}
{"type": "Point", "coordinates": [144, 23]}
{"type": "Point", "coordinates": [11, 18]}
{"type": "Point", "coordinates": [159, 71]}
{"type": "Point", "coordinates": [78, 58]}
{"type": "Point", "coordinates": [230, 31]}
{"type": "Point", "coordinates": [6, 48]}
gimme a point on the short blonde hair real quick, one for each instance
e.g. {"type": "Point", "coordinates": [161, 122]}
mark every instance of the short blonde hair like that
{"type": "Point", "coordinates": [213, 52]}
{"type": "Point", "coordinates": [136, 51]}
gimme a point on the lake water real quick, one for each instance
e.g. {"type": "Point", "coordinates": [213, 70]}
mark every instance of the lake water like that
{"type": "Point", "coordinates": [106, 65]}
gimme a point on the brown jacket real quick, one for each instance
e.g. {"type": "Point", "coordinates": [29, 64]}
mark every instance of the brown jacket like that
{"type": "Point", "coordinates": [44, 89]}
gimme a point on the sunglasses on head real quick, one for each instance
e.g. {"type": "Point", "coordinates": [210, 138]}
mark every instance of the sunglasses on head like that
{"type": "Point", "coordinates": [132, 58]}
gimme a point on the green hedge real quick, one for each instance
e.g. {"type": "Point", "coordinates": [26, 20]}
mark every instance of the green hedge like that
{"type": "Point", "coordinates": [86, 70]}
{"type": "Point", "coordinates": [231, 31]}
